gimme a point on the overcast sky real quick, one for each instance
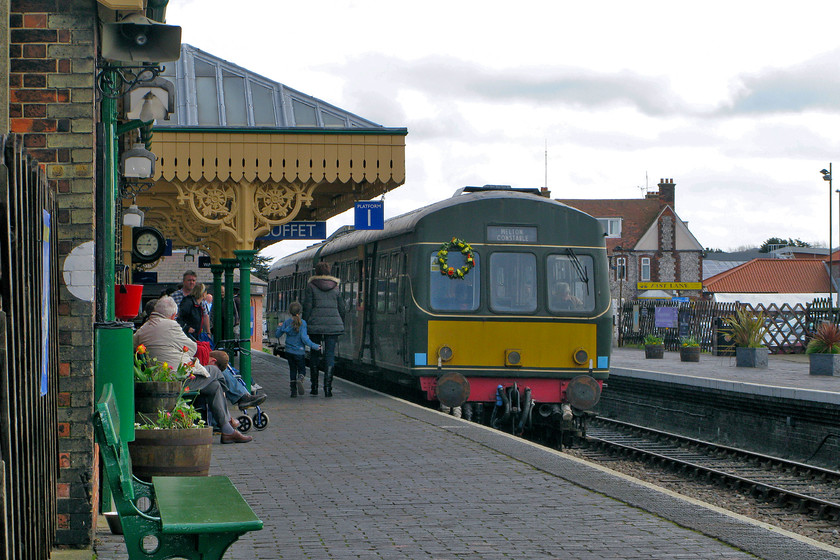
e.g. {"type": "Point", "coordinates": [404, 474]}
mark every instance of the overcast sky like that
{"type": "Point", "coordinates": [738, 102]}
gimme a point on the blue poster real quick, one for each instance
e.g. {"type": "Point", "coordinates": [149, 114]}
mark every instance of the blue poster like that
{"type": "Point", "coordinates": [45, 304]}
{"type": "Point", "coordinates": [665, 317]}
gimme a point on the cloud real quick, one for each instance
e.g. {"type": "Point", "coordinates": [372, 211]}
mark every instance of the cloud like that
{"type": "Point", "coordinates": [813, 85]}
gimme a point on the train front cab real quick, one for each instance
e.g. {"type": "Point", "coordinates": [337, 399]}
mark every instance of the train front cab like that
{"type": "Point", "coordinates": [505, 345]}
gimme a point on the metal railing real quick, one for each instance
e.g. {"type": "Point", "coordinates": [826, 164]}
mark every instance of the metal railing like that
{"type": "Point", "coordinates": [28, 355]}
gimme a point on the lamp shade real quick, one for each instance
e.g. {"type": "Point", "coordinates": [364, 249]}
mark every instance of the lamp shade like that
{"type": "Point", "coordinates": [137, 163]}
{"type": "Point", "coordinates": [150, 100]}
{"type": "Point", "coordinates": [133, 216]}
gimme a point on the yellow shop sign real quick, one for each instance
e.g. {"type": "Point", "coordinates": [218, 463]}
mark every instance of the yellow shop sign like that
{"type": "Point", "coordinates": [669, 285]}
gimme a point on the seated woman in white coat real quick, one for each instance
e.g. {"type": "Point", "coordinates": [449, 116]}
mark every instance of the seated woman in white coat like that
{"type": "Point", "coordinates": [165, 341]}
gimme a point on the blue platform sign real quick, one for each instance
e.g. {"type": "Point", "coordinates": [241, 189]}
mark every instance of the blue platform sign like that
{"type": "Point", "coordinates": [297, 230]}
{"type": "Point", "coordinates": [370, 214]}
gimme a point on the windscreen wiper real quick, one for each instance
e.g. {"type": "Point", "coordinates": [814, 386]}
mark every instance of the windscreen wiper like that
{"type": "Point", "coordinates": [581, 270]}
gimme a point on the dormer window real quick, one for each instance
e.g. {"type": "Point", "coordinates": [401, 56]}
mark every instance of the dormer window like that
{"type": "Point", "coordinates": [612, 226]}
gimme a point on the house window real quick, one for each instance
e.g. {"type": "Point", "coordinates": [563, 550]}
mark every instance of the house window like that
{"type": "Point", "coordinates": [645, 270]}
{"type": "Point", "coordinates": [612, 226]}
{"type": "Point", "coordinates": [620, 268]}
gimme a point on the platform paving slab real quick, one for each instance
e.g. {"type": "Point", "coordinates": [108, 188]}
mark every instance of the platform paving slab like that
{"type": "Point", "coordinates": [366, 476]}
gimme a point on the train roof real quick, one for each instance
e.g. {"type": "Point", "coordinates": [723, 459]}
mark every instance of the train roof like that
{"type": "Point", "coordinates": [348, 237]}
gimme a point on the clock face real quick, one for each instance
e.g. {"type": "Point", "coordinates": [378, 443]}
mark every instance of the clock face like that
{"type": "Point", "coordinates": [147, 244]}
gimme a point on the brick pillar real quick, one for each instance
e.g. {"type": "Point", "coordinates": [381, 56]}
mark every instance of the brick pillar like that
{"type": "Point", "coordinates": [52, 54]}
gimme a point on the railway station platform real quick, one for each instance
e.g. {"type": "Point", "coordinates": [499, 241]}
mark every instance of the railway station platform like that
{"type": "Point", "coordinates": [366, 476]}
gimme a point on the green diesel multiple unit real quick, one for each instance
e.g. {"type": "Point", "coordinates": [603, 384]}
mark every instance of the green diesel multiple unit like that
{"type": "Point", "coordinates": [495, 300]}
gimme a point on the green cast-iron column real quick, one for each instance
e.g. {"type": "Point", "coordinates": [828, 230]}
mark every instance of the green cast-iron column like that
{"type": "Point", "coordinates": [111, 85]}
{"type": "Point", "coordinates": [246, 258]}
{"type": "Point", "coordinates": [218, 303]}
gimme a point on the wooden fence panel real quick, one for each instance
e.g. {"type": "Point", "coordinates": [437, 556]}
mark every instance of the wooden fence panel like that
{"type": "Point", "coordinates": [788, 327]}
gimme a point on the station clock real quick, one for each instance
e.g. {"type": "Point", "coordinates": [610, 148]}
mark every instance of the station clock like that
{"type": "Point", "coordinates": [148, 244]}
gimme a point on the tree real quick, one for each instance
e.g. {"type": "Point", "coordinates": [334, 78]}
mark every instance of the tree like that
{"type": "Point", "coordinates": [776, 242]}
{"type": "Point", "coordinates": [261, 266]}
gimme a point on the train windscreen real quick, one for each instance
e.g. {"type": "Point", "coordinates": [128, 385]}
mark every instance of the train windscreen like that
{"type": "Point", "coordinates": [513, 282]}
{"type": "Point", "coordinates": [570, 283]}
{"type": "Point", "coordinates": [449, 294]}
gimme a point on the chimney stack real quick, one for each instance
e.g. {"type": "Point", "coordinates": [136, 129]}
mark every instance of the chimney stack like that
{"type": "Point", "coordinates": [666, 192]}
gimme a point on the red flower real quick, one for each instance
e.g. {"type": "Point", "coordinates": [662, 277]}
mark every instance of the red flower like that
{"type": "Point", "coordinates": [451, 271]}
{"type": "Point", "coordinates": [186, 349]}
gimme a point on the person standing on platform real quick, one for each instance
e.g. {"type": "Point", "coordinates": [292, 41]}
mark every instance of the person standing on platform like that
{"type": "Point", "coordinates": [323, 310]}
{"type": "Point", "coordinates": [191, 315]}
{"type": "Point", "coordinates": [189, 280]}
{"type": "Point", "coordinates": [296, 337]}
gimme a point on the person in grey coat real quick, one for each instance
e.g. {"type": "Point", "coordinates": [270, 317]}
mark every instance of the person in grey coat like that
{"type": "Point", "coordinates": [323, 311]}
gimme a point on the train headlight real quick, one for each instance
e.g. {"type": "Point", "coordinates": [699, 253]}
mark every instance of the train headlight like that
{"type": "Point", "coordinates": [513, 357]}
{"type": "Point", "coordinates": [580, 356]}
{"type": "Point", "coordinates": [445, 353]}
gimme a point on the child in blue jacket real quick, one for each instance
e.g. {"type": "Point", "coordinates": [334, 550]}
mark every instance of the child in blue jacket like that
{"type": "Point", "coordinates": [295, 330]}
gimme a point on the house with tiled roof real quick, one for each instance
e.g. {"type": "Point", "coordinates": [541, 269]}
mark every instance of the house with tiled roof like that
{"type": "Point", "coordinates": [771, 281]}
{"type": "Point", "coordinates": [651, 249]}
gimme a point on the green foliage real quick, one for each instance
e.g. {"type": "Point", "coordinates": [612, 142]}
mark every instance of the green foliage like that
{"type": "Point", "coordinates": [261, 266]}
{"type": "Point", "coordinates": [825, 340]}
{"type": "Point", "coordinates": [149, 369]}
{"type": "Point", "coordinates": [765, 247]}
{"type": "Point", "coordinates": [745, 329]}
{"type": "Point", "coordinates": [689, 342]}
{"type": "Point", "coordinates": [183, 416]}
{"type": "Point", "coordinates": [652, 339]}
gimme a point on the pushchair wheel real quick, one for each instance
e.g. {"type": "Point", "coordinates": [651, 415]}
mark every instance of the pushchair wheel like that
{"type": "Point", "coordinates": [244, 423]}
{"type": "Point", "coordinates": [260, 421]}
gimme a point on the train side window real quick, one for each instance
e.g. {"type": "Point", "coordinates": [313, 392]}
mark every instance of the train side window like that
{"type": "Point", "coordinates": [447, 294]}
{"type": "Point", "coordinates": [570, 283]}
{"type": "Point", "coordinates": [393, 275]}
{"type": "Point", "coordinates": [382, 284]}
{"type": "Point", "coordinates": [513, 282]}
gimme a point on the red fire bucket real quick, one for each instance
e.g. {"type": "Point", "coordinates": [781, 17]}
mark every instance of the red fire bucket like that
{"type": "Point", "coordinates": [127, 299]}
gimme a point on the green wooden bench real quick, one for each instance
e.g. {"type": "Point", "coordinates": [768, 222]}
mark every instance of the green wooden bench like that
{"type": "Point", "coordinates": [173, 516]}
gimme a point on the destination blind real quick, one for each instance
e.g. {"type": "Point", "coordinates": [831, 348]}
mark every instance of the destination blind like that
{"type": "Point", "coordinates": [511, 234]}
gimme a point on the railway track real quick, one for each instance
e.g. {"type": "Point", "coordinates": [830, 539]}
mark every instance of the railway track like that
{"type": "Point", "coordinates": [805, 488]}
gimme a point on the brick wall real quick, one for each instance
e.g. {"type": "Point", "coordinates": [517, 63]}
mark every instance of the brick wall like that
{"type": "Point", "coordinates": [52, 103]}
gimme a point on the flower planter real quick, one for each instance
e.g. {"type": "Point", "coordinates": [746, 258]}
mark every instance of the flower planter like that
{"type": "Point", "coordinates": [151, 396]}
{"type": "Point", "coordinates": [751, 357]}
{"type": "Point", "coordinates": [689, 353]}
{"type": "Point", "coordinates": [824, 364]}
{"type": "Point", "coordinates": [172, 452]}
{"type": "Point", "coordinates": [654, 351]}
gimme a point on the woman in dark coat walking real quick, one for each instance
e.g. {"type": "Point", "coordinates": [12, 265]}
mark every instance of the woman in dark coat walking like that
{"type": "Point", "coordinates": [323, 311]}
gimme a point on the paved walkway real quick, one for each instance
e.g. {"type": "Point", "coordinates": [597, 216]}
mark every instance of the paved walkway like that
{"type": "Point", "coordinates": [365, 476]}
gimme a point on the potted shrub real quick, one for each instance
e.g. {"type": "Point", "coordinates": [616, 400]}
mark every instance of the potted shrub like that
{"type": "Point", "coordinates": [747, 330]}
{"type": "Point", "coordinates": [654, 347]}
{"type": "Point", "coordinates": [156, 385]}
{"type": "Point", "coordinates": [689, 350]}
{"type": "Point", "coordinates": [173, 442]}
{"type": "Point", "coordinates": [824, 350]}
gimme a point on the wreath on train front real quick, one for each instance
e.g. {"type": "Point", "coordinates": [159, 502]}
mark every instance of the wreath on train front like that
{"type": "Point", "coordinates": [443, 257]}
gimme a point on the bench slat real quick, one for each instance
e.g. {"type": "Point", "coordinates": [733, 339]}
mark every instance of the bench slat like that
{"type": "Point", "coordinates": [202, 504]}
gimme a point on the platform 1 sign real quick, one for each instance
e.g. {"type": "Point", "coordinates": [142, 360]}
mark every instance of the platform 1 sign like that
{"type": "Point", "coordinates": [370, 214]}
{"type": "Point", "coordinates": [297, 230]}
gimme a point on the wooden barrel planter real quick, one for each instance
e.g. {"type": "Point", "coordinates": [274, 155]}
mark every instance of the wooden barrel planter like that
{"type": "Point", "coordinates": [151, 396]}
{"type": "Point", "coordinates": [654, 351]}
{"type": "Point", "coordinates": [181, 452]}
{"type": "Point", "coordinates": [689, 353]}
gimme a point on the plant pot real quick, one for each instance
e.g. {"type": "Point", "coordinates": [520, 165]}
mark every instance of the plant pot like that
{"type": "Point", "coordinates": [689, 353]}
{"type": "Point", "coordinates": [151, 396]}
{"type": "Point", "coordinates": [751, 357]}
{"type": "Point", "coordinates": [654, 351]}
{"type": "Point", "coordinates": [824, 364]}
{"type": "Point", "coordinates": [182, 452]}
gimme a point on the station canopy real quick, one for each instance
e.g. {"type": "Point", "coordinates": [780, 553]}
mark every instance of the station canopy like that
{"type": "Point", "coordinates": [243, 153]}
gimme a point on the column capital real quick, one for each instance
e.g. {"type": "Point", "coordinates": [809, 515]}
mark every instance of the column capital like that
{"type": "Point", "coordinates": [245, 256]}
{"type": "Point", "coordinates": [229, 264]}
{"type": "Point", "coordinates": [217, 269]}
